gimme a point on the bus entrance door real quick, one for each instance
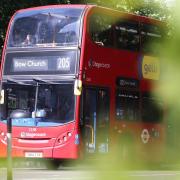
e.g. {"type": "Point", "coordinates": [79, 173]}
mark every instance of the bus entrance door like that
{"type": "Point", "coordinates": [96, 120]}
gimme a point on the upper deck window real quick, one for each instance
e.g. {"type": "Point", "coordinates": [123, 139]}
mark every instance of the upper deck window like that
{"type": "Point", "coordinates": [101, 30]}
{"type": "Point", "coordinates": [110, 32]}
{"type": "Point", "coordinates": [127, 35]}
{"type": "Point", "coordinates": [46, 27]}
{"type": "Point", "coordinates": [151, 38]}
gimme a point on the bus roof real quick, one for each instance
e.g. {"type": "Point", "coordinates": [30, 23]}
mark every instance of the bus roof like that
{"type": "Point", "coordinates": [145, 19]}
{"type": "Point", "coordinates": [90, 6]}
{"type": "Point", "coordinates": [53, 6]}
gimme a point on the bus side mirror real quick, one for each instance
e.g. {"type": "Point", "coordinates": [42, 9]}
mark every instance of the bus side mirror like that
{"type": "Point", "coordinates": [2, 97]}
{"type": "Point", "coordinates": [77, 87]}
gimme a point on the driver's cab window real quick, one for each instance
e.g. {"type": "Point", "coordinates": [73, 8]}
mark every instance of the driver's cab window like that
{"type": "Point", "coordinates": [57, 101]}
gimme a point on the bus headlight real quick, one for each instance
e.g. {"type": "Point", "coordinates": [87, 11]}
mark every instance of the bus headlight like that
{"type": "Point", "coordinates": [69, 134]}
{"type": "Point", "coordinates": [3, 137]}
{"type": "Point", "coordinates": [63, 138]}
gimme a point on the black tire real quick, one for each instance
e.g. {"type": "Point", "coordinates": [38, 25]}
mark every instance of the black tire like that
{"type": "Point", "coordinates": [53, 164]}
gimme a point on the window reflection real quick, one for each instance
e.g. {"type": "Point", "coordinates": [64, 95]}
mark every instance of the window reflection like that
{"type": "Point", "coordinates": [127, 105]}
{"type": "Point", "coordinates": [56, 101]}
{"type": "Point", "coordinates": [45, 28]}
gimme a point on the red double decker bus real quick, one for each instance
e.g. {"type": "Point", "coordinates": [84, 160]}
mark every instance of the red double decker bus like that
{"type": "Point", "coordinates": [79, 80]}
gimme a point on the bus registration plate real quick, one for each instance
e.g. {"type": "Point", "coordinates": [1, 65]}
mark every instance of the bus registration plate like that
{"type": "Point", "coordinates": [33, 154]}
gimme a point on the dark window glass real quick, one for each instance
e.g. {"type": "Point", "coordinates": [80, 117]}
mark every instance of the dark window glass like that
{"type": "Point", "coordinates": [127, 35]}
{"type": "Point", "coordinates": [151, 38]}
{"type": "Point", "coordinates": [101, 30]}
{"type": "Point", "coordinates": [56, 102]}
{"type": "Point", "coordinates": [90, 105]}
{"type": "Point", "coordinates": [46, 27]}
{"type": "Point", "coordinates": [127, 105]}
{"type": "Point", "coordinates": [90, 111]}
{"type": "Point", "coordinates": [96, 119]}
{"type": "Point", "coordinates": [103, 108]}
{"type": "Point", "coordinates": [152, 109]}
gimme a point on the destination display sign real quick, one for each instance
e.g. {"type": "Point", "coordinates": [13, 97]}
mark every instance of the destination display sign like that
{"type": "Point", "coordinates": [30, 64]}
{"type": "Point", "coordinates": [63, 62]}
{"type": "Point", "coordinates": [127, 82]}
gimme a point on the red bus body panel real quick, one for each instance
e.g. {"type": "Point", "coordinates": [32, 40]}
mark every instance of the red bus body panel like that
{"type": "Point", "coordinates": [44, 140]}
{"type": "Point", "coordinates": [109, 64]}
{"type": "Point", "coordinates": [115, 63]}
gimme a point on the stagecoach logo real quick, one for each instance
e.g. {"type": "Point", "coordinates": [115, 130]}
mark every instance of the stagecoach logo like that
{"type": "Point", "coordinates": [94, 64]}
{"type": "Point", "coordinates": [32, 134]}
{"type": "Point", "coordinates": [150, 68]}
{"type": "Point", "coordinates": [145, 136]}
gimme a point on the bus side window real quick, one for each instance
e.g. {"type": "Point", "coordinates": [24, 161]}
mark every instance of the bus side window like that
{"type": "Point", "coordinates": [127, 35]}
{"type": "Point", "coordinates": [101, 30]}
{"type": "Point", "coordinates": [151, 37]}
{"type": "Point", "coordinates": [152, 109]}
{"type": "Point", "coordinates": [127, 105]}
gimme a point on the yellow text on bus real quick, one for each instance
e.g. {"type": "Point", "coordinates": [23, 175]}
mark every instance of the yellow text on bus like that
{"type": "Point", "coordinates": [150, 68]}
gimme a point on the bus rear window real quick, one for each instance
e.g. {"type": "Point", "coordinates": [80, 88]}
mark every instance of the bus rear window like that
{"type": "Point", "coordinates": [48, 27]}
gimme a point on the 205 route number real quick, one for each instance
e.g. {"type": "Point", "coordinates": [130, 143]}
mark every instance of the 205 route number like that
{"type": "Point", "coordinates": [63, 64]}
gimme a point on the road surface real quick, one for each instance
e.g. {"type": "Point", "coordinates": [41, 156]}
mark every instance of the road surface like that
{"type": "Point", "coordinates": [84, 174]}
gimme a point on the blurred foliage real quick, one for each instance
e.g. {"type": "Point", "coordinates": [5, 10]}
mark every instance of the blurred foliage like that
{"type": "Point", "coordinates": [169, 86]}
{"type": "Point", "coordinates": [153, 8]}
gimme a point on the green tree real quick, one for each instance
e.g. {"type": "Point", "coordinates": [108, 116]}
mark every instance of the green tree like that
{"type": "Point", "coordinates": [152, 8]}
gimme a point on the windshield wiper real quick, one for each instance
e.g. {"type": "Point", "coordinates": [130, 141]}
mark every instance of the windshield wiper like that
{"type": "Point", "coordinates": [39, 80]}
{"type": "Point", "coordinates": [10, 80]}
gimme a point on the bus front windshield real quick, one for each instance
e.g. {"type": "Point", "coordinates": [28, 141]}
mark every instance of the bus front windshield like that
{"type": "Point", "coordinates": [46, 27]}
{"type": "Point", "coordinates": [43, 104]}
